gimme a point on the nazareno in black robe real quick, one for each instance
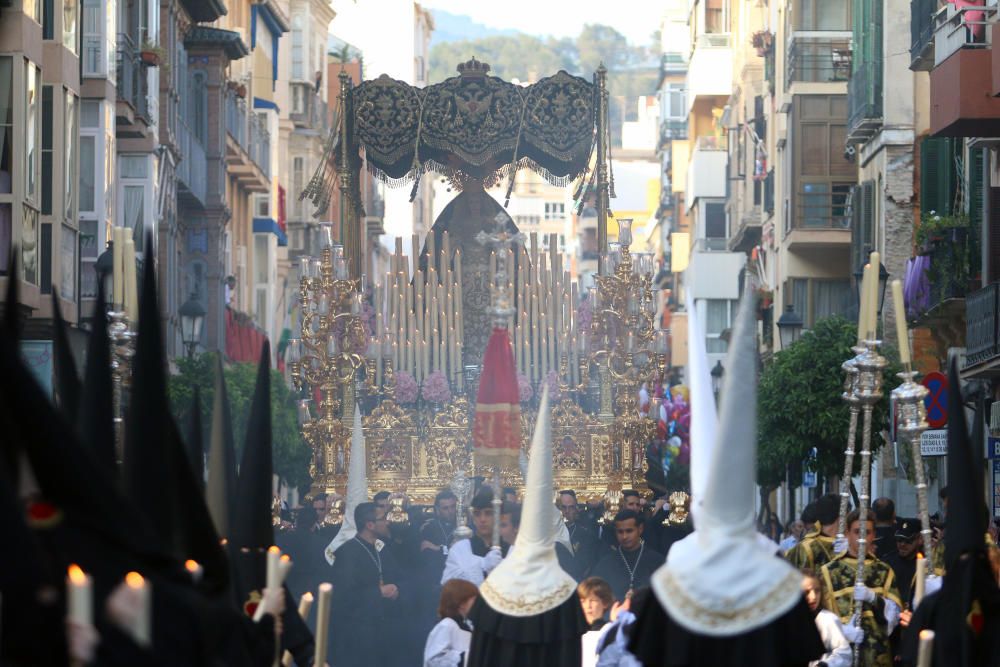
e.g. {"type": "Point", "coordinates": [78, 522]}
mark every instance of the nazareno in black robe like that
{"type": "Point", "coordinates": [550, 639]}
{"type": "Point", "coordinates": [791, 640]}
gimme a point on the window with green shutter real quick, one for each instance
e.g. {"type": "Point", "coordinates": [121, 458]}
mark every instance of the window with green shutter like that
{"type": "Point", "coordinates": [938, 178]}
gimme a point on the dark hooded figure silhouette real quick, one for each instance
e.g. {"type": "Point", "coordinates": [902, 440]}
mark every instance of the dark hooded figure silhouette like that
{"type": "Point", "coordinates": [965, 613]}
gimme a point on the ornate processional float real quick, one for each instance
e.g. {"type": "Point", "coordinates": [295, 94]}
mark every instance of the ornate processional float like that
{"type": "Point", "coordinates": [411, 353]}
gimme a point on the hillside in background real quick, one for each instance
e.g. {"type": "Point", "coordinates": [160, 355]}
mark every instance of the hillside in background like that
{"type": "Point", "coordinates": [450, 27]}
{"type": "Point", "coordinates": [632, 69]}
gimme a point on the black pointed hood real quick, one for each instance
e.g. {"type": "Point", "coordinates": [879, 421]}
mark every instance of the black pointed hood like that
{"type": "Point", "coordinates": [221, 487]}
{"type": "Point", "coordinates": [67, 381]}
{"type": "Point", "coordinates": [197, 538]}
{"type": "Point", "coordinates": [195, 450]}
{"type": "Point", "coordinates": [966, 505]}
{"type": "Point", "coordinates": [147, 470]}
{"type": "Point", "coordinates": [253, 527]}
{"type": "Point", "coordinates": [96, 416]}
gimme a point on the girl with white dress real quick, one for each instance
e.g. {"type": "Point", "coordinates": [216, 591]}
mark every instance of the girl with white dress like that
{"type": "Point", "coordinates": [448, 643]}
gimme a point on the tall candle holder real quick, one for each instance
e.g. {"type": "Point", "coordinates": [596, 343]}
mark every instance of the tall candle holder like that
{"type": "Point", "coordinates": [868, 389]}
{"type": "Point", "coordinates": [850, 396]}
{"type": "Point", "coordinates": [911, 413]}
{"type": "Point", "coordinates": [122, 340]}
{"type": "Point", "coordinates": [327, 356]}
{"type": "Point", "coordinates": [462, 487]}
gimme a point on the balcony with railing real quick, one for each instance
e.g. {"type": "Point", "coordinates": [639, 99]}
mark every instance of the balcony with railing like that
{"type": "Point", "coordinates": [309, 111]}
{"type": "Point", "coordinates": [192, 170]}
{"type": "Point", "coordinates": [132, 89]}
{"type": "Point", "coordinates": [672, 128]}
{"type": "Point", "coordinates": [864, 101]}
{"type": "Point", "coordinates": [922, 20]}
{"type": "Point", "coordinates": [982, 332]}
{"type": "Point", "coordinates": [706, 175]}
{"type": "Point", "coordinates": [820, 215]}
{"type": "Point", "coordinates": [938, 282]}
{"type": "Point", "coordinates": [962, 81]}
{"type": "Point", "coordinates": [247, 145]}
{"type": "Point", "coordinates": [818, 57]}
{"type": "Point", "coordinates": [710, 70]}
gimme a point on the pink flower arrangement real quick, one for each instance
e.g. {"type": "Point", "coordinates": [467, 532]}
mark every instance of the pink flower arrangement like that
{"type": "Point", "coordinates": [436, 388]}
{"type": "Point", "coordinates": [406, 388]}
{"type": "Point", "coordinates": [524, 390]}
{"type": "Point", "coordinates": [552, 382]}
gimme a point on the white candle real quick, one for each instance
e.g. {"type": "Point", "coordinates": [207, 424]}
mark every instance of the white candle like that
{"type": "Point", "coordinates": [194, 569]}
{"type": "Point", "coordinates": [415, 257]}
{"type": "Point", "coordinates": [873, 295]}
{"type": "Point", "coordinates": [902, 333]}
{"type": "Point", "coordinates": [863, 306]}
{"type": "Point", "coordinates": [142, 623]}
{"type": "Point", "coordinates": [118, 265]}
{"type": "Point", "coordinates": [79, 596]}
{"type": "Point", "coordinates": [273, 577]}
{"type": "Point", "coordinates": [305, 604]}
{"type": "Point", "coordinates": [322, 624]}
{"type": "Point", "coordinates": [131, 285]}
{"type": "Point", "coordinates": [926, 648]}
{"type": "Point", "coordinates": [921, 580]}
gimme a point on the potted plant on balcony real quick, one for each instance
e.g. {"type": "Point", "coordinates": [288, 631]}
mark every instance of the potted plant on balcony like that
{"type": "Point", "coordinates": [945, 240]}
{"type": "Point", "coordinates": [152, 55]}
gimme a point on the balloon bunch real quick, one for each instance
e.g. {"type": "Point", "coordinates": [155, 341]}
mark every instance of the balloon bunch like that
{"type": "Point", "coordinates": [671, 448]}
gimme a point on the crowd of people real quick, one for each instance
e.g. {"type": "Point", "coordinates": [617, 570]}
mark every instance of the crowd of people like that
{"type": "Point", "coordinates": [428, 579]}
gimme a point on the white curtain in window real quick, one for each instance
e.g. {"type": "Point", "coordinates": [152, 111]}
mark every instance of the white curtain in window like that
{"type": "Point", "coordinates": [133, 205]}
{"type": "Point", "coordinates": [833, 297]}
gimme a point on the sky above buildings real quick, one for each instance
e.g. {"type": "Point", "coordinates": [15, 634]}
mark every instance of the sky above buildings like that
{"type": "Point", "coordinates": [636, 19]}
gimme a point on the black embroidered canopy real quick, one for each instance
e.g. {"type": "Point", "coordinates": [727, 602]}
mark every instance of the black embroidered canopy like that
{"type": "Point", "coordinates": [474, 126]}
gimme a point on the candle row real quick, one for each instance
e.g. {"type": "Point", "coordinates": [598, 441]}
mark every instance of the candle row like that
{"type": "Point", "coordinates": [418, 321]}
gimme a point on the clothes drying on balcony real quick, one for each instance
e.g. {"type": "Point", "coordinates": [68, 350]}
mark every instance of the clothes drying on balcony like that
{"type": "Point", "coordinates": [916, 286]}
{"type": "Point", "coordinates": [244, 339]}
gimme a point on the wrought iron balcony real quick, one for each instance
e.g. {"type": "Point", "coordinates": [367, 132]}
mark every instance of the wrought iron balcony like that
{"type": "Point", "coordinates": [922, 34]}
{"type": "Point", "coordinates": [192, 170]}
{"type": "Point", "coordinates": [309, 111]}
{"type": "Point", "coordinates": [818, 57]}
{"type": "Point", "coordinates": [864, 101]}
{"type": "Point", "coordinates": [673, 128]}
{"type": "Point", "coordinates": [957, 28]}
{"type": "Point", "coordinates": [982, 326]}
{"type": "Point", "coordinates": [131, 80]}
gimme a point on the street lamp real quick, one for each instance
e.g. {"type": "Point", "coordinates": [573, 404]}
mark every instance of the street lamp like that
{"type": "Point", "coordinates": [789, 327]}
{"type": "Point", "coordinates": [883, 280]}
{"type": "Point", "coordinates": [105, 271]}
{"type": "Point", "coordinates": [192, 319]}
{"type": "Point", "coordinates": [717, 372]}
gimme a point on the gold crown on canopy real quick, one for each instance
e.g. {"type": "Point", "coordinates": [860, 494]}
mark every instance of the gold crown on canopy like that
{"type": "Point", "coordinates": [473, 69]}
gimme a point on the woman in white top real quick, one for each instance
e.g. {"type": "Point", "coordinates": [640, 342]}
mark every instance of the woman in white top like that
{"type": "Point", "coordinates": [448, 643]}
{"type": "Point", "coordinates": [838, 650]}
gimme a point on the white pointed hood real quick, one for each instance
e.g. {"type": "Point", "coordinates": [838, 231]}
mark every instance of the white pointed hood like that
{"type": "Point", "coordinates": [562, 532]}
{"type": "Point", "coordinates": [703, 415]}
{"type": "Point", "coordinates": [718, 581]}
{"type": "Point", "coordinates": [357, 487]}
{"type": "Point", "coordinates": [529, 581]}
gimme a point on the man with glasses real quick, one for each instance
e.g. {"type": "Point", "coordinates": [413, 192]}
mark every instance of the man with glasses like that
{"type": "Point", "coordinates": [584, 541]}
{"type": "Point", "coordinates": [364, 578]}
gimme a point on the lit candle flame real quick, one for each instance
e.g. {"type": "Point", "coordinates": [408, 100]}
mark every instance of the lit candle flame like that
{"type": "Point", "coordinates": [285, 558]}
{"type": "Point", "coordinates": [76, 575]}
{"type": "Point", "coordinates": [191, 565]}
{"type": "Point", "coordinates": [307, 596]}
{"type": "Point", "coordinates": [919, 555]}
{"type": "Point", "coordinates": [273, 550]}
{"type": "Point", "coordinates": [134, 580]}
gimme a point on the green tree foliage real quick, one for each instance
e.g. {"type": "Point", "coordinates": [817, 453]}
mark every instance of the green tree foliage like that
{"type": "Point", "coordinates": [799, 404]}
{"type": "Point", "coordinates": [291, 453]}
{"type": "Point", "coordinates": [517, 56]}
